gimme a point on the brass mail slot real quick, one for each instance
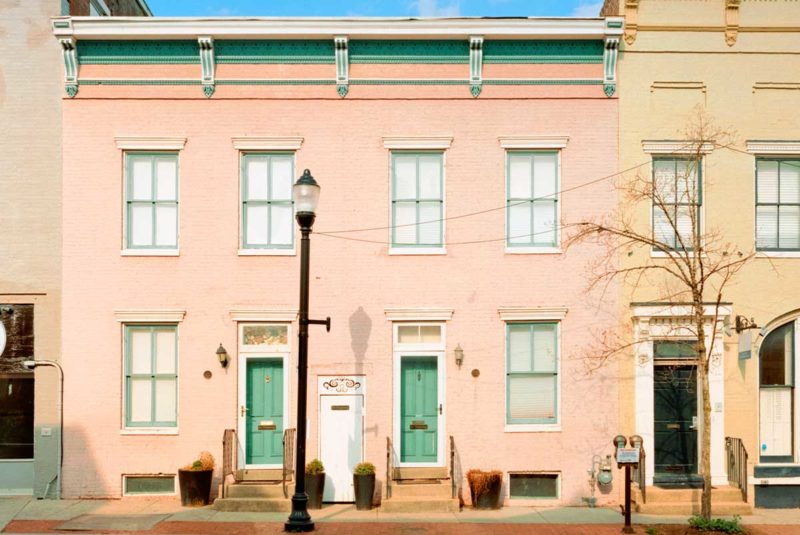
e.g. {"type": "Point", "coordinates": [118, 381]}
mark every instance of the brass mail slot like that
{"type": "Point", "coordinates": [673, 426]}
{"type": "Point", "coordinates": [418, 424]}
{"type": "Point", "coordinates": [340, 407]}
{"type": "Point", "coordinates": [266, 426]}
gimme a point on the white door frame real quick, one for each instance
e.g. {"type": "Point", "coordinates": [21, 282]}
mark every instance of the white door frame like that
{"type": "Point", "coordinates": [245, 354]}
{"type": "Point", "coordinates": [436, 350]}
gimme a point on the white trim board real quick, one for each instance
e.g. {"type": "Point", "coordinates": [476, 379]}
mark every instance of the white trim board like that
{"type": "Point", "coordinates": [289, 143]}
{"type": "Point", "coordinates": [532, 313]}
{"type": "Point", "coordinates": [773, 147]}
{"type": "Point", "coordinates": [417, 142]}
{"type": "Point", "coordinates": [149, 143]}
{"type": "Point", "coordinates": [264, 315]}
{"type": "Point", "coordinates": [149, 316]}
{"type": "Point", "coordinates": [418, 314]}
{"type": "Point", "coordinates": [533, 142]}
{"type": "Point", "coordinates": [675, 147]}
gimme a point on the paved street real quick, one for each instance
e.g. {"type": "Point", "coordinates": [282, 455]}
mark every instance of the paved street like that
{"type": "Point", "coordinates": [162, 516]}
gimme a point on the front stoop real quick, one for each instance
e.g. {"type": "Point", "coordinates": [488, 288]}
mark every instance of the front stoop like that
{"type": "Point", "coordinates": [422, 490]}
{"type": "Point", "coordinates": [725, 501]}
{"type": "Point", "coordinates": [255, 497]}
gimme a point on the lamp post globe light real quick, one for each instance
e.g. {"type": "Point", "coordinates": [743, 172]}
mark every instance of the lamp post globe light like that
{"type": "Point", "coordinates": [305, 194]}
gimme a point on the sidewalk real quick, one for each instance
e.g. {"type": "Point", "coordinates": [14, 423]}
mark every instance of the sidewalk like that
{"type": "Point", "coordinates": [166, 516]}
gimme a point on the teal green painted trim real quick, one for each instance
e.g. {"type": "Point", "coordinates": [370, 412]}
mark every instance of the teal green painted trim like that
{"type": "Point", "coordinates": [309, 81]}
{"type": "Point", "coordinates": [130, 202]}
{"type": "Point", "coordinates": [237, 51]}
{"type": "Point", "coordinates": [61, 24]}
{"type": "Point", "coordinates": [614, 24]}
{"type": "Point", "coordinates": [138, 52]}
{"type": "Point", "coordinates": [532, 328]}
{"type": "Point", "coordinates": [533, 200]}
{"type": "Point", "coordinates": [408, 51]}
{"type": "Point", "coordinates": [409, 82]}
{"type": "Point", "coordinates": [417, 200]}
{"type": "Point", "coordinates": [543, 81]}
{"type": "Point", "coordinates": [139, 82]}
{"type": "Point", "coordinates": [543, 51]}
{"type": "Point", "coordinates": [268, 202]}
{"type": "Point", "coordinates": [153, 376]}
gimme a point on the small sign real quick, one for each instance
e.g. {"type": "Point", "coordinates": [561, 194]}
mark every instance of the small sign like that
{"type": "Point", "coordinates": [266, 425]}
{"type": "Point", "coordinates": [628, 455]}
{"type": "Point", "coordinates": [745, 345]}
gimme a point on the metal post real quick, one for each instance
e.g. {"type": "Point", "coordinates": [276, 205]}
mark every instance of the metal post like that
{"type": "Point", "coordinates": [299, 519]}
{"type": "Point", "coordinates": [627, 528]}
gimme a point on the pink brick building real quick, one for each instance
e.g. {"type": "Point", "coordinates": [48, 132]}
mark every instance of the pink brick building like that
{"type": "Point", "coordinates": [450, 150]}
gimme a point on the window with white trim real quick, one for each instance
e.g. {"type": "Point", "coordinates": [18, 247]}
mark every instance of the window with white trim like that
{"type": "Point", "coordinates": [532, 199]}
{"type": "Point", "coordinates": [776, 397]}
{"type": "Point", "coordinates": [267, 205]}
{"type": "Point", "coordinates": [417, 199]}
{"type": "Point", "coordinates": [778, 204]}
{"type": "Point", "coordinates": [151, 199]}
{"type": "Point", "coordinates": [151, 375]}
{"type": "Point", "coordinates": [677, 199]}
{"type": "Point", "coordinates": [532, 373]}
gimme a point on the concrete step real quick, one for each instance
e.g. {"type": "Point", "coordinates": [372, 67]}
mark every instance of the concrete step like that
{"type": "Point", "coordinates": [258, 490]}
{"type": "Point", "coordinates": [253, 505]}
{"type": "Point", "coordinates": [419, 505]}
{"type": "Point", "coordinates": [432, 472]}
{"type": "Point", "coordinates": [686, 509]}
{"type": "Point", "coordinates": [261, 474]}
{"type": "Point", "coordinates": [409, 488]}
{"type": "Point", "coordinates": [658, 495]}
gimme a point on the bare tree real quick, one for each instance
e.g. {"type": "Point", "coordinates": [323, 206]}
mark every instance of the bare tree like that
{"type": "Point", "coordinates": [692, 266]}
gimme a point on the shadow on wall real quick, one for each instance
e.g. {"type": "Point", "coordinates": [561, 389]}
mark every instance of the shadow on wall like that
{"type": "Point", "coordinates": [360, 330]}
{"type": "Point", "coordinates": [81, 473]}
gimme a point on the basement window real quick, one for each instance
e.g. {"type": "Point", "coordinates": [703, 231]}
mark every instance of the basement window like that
{"type": "Point", "coordinates": [138, 485]}
{"type": "Point", "coordinates": [528, 485]}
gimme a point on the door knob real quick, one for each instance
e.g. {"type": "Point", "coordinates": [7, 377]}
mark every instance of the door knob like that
{"type": "Point", "coordinates": [242, 410]}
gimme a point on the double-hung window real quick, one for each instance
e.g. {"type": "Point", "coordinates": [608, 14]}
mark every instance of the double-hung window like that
{"type": "Point", "coordinates": [532, 373]}
{"type": "Point", "coordinates": [777, 204]}
{"type": "Point", "coordinates": [677, 199]}
{"type": "Point", "coordinates": [417, 200]}
{"type": "Point", "coordinates": [267, 207]}
{"type": "Point", "coordinates": [151, 199]}
{"type": "Point", "coordinates": [151, 375]}
{"type": "Point", "coordinates": [532, 199]}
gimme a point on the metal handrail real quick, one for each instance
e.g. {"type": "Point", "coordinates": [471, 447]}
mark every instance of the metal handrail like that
{"type": "Point", "coordinates": [639, 475]}
{"type": "Point", "coordinates": [229, 456]}
{"type": "Point", "coordinates": [737, 464]}
{"type": "Point", "coordinates": [389, 467]}
{"type": "Point", "coordinates": [453, 482]}
{"type": "Point", "coordinates": [288, 456]}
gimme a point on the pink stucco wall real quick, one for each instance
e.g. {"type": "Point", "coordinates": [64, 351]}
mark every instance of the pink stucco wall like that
{"type": "Point", "coordinates": [353, 282]}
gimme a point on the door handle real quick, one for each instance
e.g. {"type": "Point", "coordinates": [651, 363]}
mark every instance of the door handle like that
{"type": "Point", "coordinates": [694, 423]}
{"type": "Point", "coordinates": [242, 410]}
{"type": "Point", "coordinates": [440, 409]}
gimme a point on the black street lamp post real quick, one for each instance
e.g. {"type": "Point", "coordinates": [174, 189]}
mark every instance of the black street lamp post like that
{"type": "Point", "coordinates": [305, 194]}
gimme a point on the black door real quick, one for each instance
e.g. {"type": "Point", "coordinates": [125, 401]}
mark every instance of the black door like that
{"type": "Point", "coordinates": [675, 423]}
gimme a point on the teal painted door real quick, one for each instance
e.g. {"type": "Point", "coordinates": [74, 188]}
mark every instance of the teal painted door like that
{"type": "Point", "coordinates": [264, 416]}
{"type": "Point", "coordinates": [675, 411]}
{"type": "Point", "coordinates": [419, 406]}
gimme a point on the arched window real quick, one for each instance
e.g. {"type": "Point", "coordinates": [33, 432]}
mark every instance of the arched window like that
{"type": "Point", "coordinates": [776, 378]}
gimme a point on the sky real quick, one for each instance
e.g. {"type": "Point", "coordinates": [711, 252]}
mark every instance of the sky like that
{"type": "Point", "coordinates": [375, 8]}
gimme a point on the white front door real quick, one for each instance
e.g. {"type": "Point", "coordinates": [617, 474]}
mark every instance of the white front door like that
{"type": "Point", "coordinates": [341, 443]}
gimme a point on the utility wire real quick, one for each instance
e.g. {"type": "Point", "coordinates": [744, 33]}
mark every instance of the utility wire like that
{"type": "Point", "coordinates": [383, 242]}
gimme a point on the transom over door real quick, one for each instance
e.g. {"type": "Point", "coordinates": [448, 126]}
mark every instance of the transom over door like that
{"type": "Point", "coordinates": [264, 412]}
{"type": "Point", "coordinates": [675, 419]}
{"type": "Point", "coordinates": [419, 410]}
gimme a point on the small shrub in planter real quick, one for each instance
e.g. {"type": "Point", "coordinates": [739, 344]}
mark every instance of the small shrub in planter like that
{"type": "Point", "coordinates": [315, 483]}
{"type": "Point", "coordinates": [195, 480]}
{"type": "Point", "coordinates": [364, 482]}
{"type": "Point", "coordinates": [717, 525]}
{"type": "Point", "coordinates": [484, 487]}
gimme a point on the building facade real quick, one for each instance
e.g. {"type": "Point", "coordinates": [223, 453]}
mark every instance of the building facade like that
{"type": "Point", "coordinates": [737, 63]}
{"type": "Point", "coordinates": [30, 212]}
{"type": "Point", "coordinates": [448, 152]}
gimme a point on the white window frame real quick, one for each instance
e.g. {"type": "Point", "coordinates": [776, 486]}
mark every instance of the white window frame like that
{"type": "Point", "coordinates": [162, 476]}
{"type": "Point", "coordinates": [530, 501]}
{"type": "Point", "coordinates": [437, 350]}
{"type": "Point", "coordinates": [247, 353]}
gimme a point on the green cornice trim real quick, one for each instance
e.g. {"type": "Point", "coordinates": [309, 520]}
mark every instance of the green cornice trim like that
{"type": "Point", "coordinates": [543, 51]}
{"type": "Point", "coordinates": [138, 52]}
{"type": "Point", "coordinates": [277, 82]}
{"type": "Point", "coordinates": [444, 82]}
{"type": "Point", "coordinates": [543, 81]}
{"type": "Point", "coordinates": [409, 82]}
{"type": "Point", "coordinates": [274, 51]}
{"type": "Point", "coordinates": [397, 51]}
{"type": "Point", "coordinates": [139, 82]}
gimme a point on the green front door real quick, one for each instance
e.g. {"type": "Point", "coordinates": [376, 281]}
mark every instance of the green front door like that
{"type": "Point", "coordinates": [419, 406]}
{"type": "Point", "coordinates": [675, 419]}
{"type": "Point", "coordinates": [264, 416]}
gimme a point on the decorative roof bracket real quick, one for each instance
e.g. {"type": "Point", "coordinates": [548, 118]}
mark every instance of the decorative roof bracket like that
{"type": "Point", "coordinates": [731, 21]}
{"type": "Point", "coordinates": [475, 64]}
{"type": "Point", "coordinates": [206, 44]}
{"type": "Point", "coordinates": [342, 65]}
{"type": "Point", "coordinates": [70, 65]}
{"type": "Point", "coordinates": [631, 18]}
{"type": "Point", "coordinates": [610, 52]}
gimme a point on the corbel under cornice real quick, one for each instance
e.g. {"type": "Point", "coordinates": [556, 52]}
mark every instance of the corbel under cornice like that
{"type": "Point", "coordinates": [610, 53]}
{"type": "Point", "coordinates": [340, 45]}
{"type": "Point", "coordinates": [206, 45]}
{"type": "Point", "coordinates": [475, 64]}
{"type": "Point", "coordinates": [731, 21]}
{"type": "Point", "coordinates": [631, 20]}
{"type": "Point", "coordinates": [70, 53]}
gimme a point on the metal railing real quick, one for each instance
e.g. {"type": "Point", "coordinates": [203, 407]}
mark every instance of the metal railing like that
{"type": "Point", "coordinates": [454, 481]}
{"type": "Point", "coordinates": [737, 464]}
{"type": "Point", "coordinates": [288, 456]}
{"type": "Point", "coordinates": [230, 450]}
{"type": "Point", "coordinates": [639, 475]}
{"type": "Point", "coordinates": [389, 466]}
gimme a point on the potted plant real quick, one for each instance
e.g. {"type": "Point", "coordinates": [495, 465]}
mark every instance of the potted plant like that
{"type": "Point", "coordinates": [195, 480]}
{"type": "Point", "coordinates": [484, 487]}
{"type": "Point", "coordinates": [364, 483]}
{"type": "Point", "coordinates": [315, 483]}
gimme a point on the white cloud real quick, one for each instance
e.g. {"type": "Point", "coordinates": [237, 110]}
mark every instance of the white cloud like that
{"type": "Point", "coordinates": [431, 8]}
{"type": "Point", "coordinates": [591, 9]}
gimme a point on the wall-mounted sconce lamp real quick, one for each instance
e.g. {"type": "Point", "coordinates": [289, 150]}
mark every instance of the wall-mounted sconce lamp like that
{"type": "Point", "coordinates": [743, 324]}
{"type": "Point", "coordinates": [222, 355]}
{"type": "Point", "coordinates": [459, 353]}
